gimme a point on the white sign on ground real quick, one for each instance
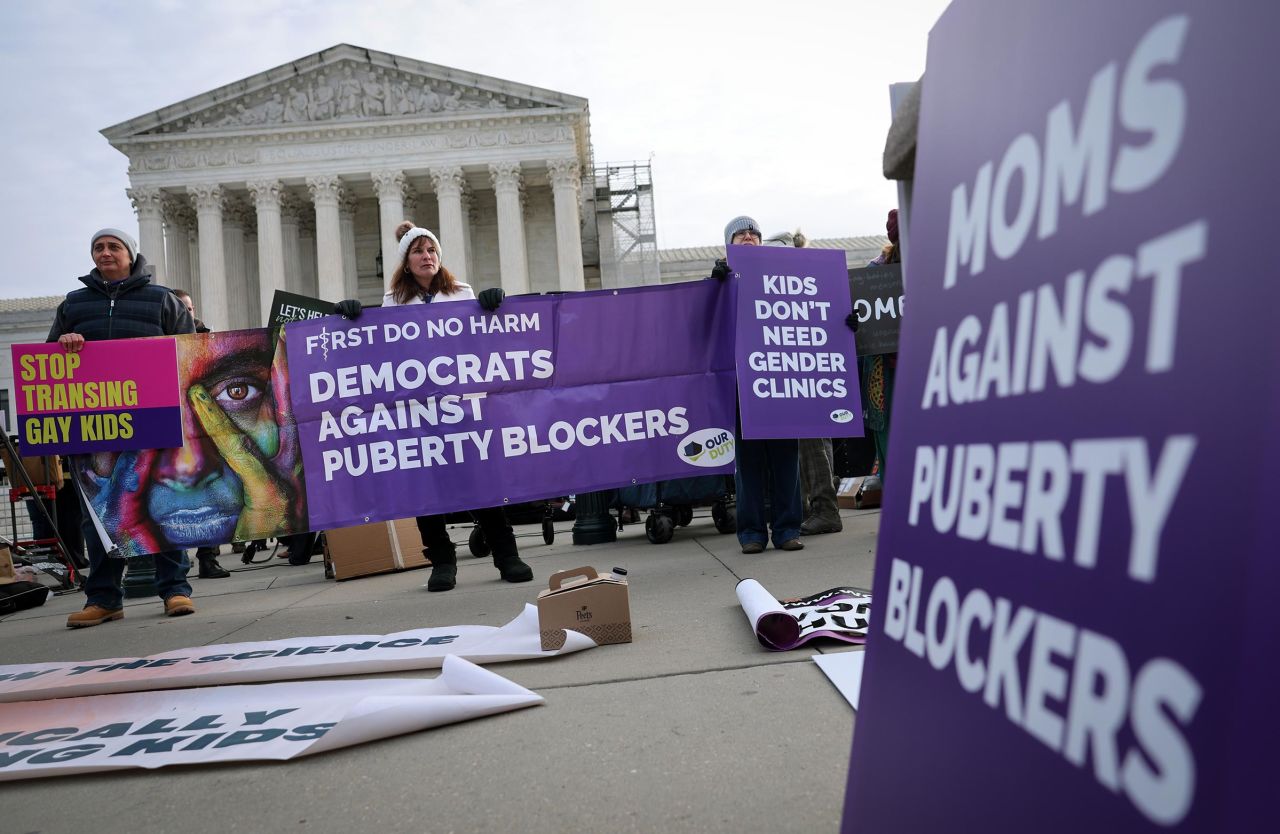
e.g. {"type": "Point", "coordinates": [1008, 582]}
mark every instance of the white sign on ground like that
{"type": "Point", "coordinates": [844, 669]}
{"type": "Point", "coordinates": [281, 660]}
{"type": "Point", "coordinates": [276, 721]}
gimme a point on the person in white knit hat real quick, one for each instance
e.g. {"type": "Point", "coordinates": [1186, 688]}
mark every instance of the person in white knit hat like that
{"type": "Point", "coordinates": [421, 278]}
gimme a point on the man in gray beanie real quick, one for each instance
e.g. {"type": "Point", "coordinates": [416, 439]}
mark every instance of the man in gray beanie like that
{"type": "Point", "coordinates": [118, 301]}
{"type": "Point", "coordinates": [129, 243]}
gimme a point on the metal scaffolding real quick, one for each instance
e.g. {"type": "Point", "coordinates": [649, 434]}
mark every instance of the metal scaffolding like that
{"type": "Point", "coordinates": [622, 199]}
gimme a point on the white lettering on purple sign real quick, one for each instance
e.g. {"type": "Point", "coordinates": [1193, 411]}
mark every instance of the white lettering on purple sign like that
{"type": "Point", "coordinates": [1124, 718]}
{"type": "Point", "coordinates": [796, 341]}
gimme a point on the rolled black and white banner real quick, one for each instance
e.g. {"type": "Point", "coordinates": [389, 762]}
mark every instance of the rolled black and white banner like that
{"type": "Point", "coordinates": [783, 624]}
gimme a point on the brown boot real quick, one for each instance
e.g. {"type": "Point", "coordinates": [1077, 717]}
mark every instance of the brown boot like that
{"type": "Point", "coordinates": [92, 615]}
{"type": "Point", "coordinates": [178, 605]}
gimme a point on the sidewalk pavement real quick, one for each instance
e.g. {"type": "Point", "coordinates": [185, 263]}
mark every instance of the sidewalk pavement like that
{"type": "Point", "coordinates": [693, 727]}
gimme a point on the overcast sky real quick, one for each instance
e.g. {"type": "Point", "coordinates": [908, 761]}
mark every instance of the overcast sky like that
{"type": "Point", "coordinates": [778, 110]}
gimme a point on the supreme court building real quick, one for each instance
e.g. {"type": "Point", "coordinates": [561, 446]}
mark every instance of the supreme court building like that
{"type": "Point", "coordinates": [295, 178]}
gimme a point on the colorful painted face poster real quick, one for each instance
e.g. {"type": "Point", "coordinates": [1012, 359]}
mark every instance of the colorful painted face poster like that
{"type": "Point", "coordinates": [1074, 627]}
{"type": "Point", "coordinates": [797, 369]}
{"type": "Point", "coordinates": [109, 395]}
{"type": "Point", "coordinates": [238, 473]}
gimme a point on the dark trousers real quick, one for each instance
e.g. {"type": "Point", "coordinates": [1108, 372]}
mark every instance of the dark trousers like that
{"type": "Point", "coordinates": [68, 504]}
{"type": "Point", "coordinates": [768, 467]}
{"type": "Point", "coordinates": [492, 521]}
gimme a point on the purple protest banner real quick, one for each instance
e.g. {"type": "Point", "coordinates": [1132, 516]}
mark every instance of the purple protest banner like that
{"type": "Point", "coordinates": [797, 365]}
{"type": "Point", "coordinates": [442, 407]}
{"type": "Point", "coordinates": [1074, 627]}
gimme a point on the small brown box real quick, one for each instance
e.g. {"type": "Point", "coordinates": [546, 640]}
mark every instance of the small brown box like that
{"type": "Point", "coordinates": [35, 469]}
{"type": "Point", "coordinates": [585, 601]}
{"type": "Point", "coordinates": [7, 574]}
{"type": "Point", "coordinates": [845, 495]}
{"type": "Point", "coordinates": [368, 549]}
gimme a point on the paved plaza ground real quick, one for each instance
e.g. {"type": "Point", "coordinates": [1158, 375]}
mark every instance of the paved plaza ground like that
{"type": "Point", "coordinates": [692, 727]}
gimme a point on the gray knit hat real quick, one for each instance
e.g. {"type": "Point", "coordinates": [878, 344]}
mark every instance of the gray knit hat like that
{"type": "Point", "coordinates": [740, 224]}
{"type": "Point", "coordinates": [126, 239]}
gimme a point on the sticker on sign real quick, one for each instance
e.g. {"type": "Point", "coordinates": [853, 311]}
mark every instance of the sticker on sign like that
{"type": "Point", "coordinates": [706, 447]}
{"type": "Point", "coordinates": [842, 415]}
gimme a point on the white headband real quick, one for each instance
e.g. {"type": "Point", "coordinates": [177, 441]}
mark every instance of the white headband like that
{"type": "Point", "coordinates": [412, 235]}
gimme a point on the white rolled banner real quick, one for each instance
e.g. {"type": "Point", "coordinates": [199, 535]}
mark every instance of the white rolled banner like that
{"type": "Point", "coordinates": [277, 721]}
{"type": "Point", "coordinates": [293, 658]}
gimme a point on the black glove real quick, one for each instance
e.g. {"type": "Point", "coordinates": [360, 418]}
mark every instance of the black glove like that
{"type": "Point", "coordinates": [491, 298]}
{"type": "Point", "coordinates": [721, 270]}
{"type": "Point", "coordinates": [852, 321]}
{"type": "Point", "coordinates": [349, 309]}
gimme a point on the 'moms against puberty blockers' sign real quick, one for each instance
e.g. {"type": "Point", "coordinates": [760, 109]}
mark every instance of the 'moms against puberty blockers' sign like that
{"type": "Point", "coordinates": [1074, 626]}
{"type": "Point", "coordinates": [107, 396]}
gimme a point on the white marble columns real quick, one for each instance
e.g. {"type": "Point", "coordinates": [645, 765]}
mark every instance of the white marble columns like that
{"type": "Point", "coordinates": [449, 184]}
{"type": "Point", "coordinates": [290, 211]}
{"type": "Point", "coordinates": [213, 264]}
{"type": "Point", "coordinates": [234, 244]}
{"type": "Point", "coordinates": [235, 219]}
{"type": "Point", "coordinates": [147, 202]}
{"type": "Point", "coordinates": [389, 186]}
{"type": "Point", "coordinates": [266, 198]}
{"type": "Point", "coordinates": [178, 221]}
{"type": "Point", "coordinates": [566, 183]}
{"type": "Point", "coordinates": [512, 259]}
{"type": "Point", "coordinates": [326, 192]}
{"type": "Point", "coordinates": [350, 269]}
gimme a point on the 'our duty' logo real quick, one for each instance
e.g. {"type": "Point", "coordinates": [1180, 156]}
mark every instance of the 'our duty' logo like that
{"type": "Point", "coordinates": [706, 447]}
{"type": "Point", "coordinates": [841, 415]}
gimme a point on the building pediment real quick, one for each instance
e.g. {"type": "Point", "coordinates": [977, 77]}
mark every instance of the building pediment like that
{"type": "Point", "coordinates": [344, 84]}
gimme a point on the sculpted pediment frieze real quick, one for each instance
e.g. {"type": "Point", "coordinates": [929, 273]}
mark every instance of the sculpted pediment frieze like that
{"type": "Point", "coordinates": [346, 91]}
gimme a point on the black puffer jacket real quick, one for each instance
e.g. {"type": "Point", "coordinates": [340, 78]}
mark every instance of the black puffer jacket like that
{"type": "Point", "coordinates": [126, 309]}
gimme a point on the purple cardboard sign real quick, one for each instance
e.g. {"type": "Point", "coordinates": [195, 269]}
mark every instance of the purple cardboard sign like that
{"type": "Point", "coordinates": [797, 366]}
{"type": "Point", "coordinates": [1073, 628]}
{"type": "Point", "coordinates": [442, 407]}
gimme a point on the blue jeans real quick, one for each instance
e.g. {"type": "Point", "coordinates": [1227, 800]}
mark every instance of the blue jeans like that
{"type": "Point", "coordinates": [104, 586]}
{"type": "Point", "coordinates": [772, 465]}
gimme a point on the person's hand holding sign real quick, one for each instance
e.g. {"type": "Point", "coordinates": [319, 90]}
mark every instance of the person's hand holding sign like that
{"type": "Point", "coordinates": [71, 342]}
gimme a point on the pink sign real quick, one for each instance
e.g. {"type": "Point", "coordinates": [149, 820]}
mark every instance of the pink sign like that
{"type": "Point", "coordinates": [109, 396]}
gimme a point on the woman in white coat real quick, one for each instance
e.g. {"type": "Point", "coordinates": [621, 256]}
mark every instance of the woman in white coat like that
{"type": "Point", "coordinates": [421, 278]}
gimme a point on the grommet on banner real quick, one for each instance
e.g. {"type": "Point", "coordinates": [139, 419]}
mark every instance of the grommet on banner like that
{"type": "Point", "coordinates": [366, 519]}
{"type": "Point", "coordinates": [506, 500]}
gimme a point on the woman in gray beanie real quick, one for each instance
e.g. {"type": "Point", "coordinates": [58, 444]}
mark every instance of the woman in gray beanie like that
{"type": "Point", "coordinates": [763, 464]}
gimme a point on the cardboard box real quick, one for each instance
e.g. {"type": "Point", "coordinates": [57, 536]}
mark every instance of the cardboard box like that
{"type": "Point", "coordinates": [847, 495]}
{"type": "Point", "coordinates": [848, 489]}
{"type": "Point", "coordinates": [583, 600]}
{"type": "Point", "coordinates": [35, 469]}
{"type": "Point", "coordinates": [6, 565]}
{"type": "Point", "coordinates": [368, 549]}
